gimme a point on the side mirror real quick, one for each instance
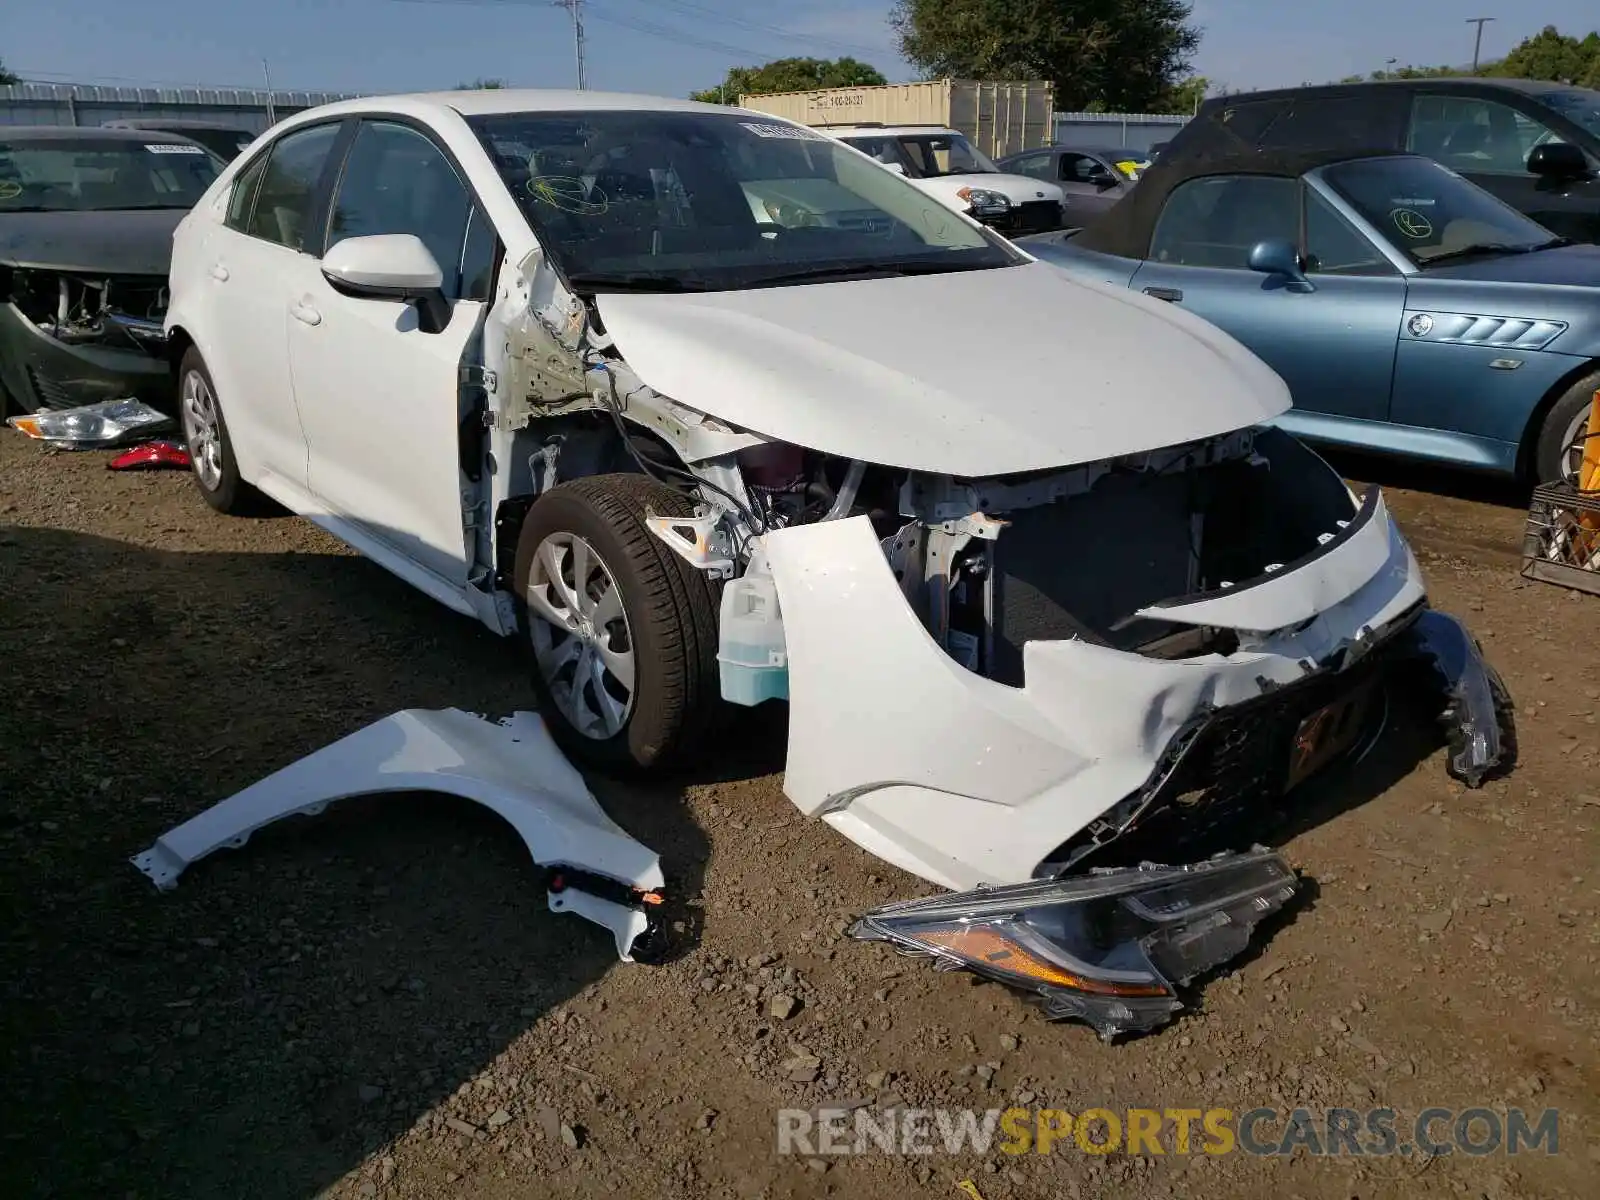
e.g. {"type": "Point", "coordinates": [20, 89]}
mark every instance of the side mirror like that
{"type": "Point", "coordinates": [390, 266]}
{"type": "Point", "coordinates": [1278, 258]}
{"type": "Point", "coordinates": [1102, 179]}
{"type": "Point", "coordinates": [1558, 160]}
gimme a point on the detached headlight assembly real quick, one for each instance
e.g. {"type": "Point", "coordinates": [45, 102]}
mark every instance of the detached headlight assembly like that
{"type": "Point", "coordinates": [1109, 948]}
{"type": "Point", "coordinates": [104, 424]}
{"type": "Point", "coordinates": [983, 202]}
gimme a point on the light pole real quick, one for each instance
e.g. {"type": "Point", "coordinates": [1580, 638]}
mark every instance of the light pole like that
{"type": "Point", "coordinates": [1477, 43]}
{"type": "Point", "coordinates": [575, 7]}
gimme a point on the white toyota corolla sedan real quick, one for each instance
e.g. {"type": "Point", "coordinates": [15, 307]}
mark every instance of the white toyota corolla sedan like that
{"type": "Point", "coordinates": [538, 354]}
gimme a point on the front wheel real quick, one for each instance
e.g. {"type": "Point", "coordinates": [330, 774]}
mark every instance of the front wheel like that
{"type": "Point", "coordinates": [623, 632]}
{"type": "Point", "coordinates": [1558, 454]}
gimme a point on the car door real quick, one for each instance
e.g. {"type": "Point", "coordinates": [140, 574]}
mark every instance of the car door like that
{"type": "Point", "coordinates": [250, 259]}
{"type": "Point", "coordinates": [380, 397]}
{"type": "Point", "coordinates": [1088, 185]}
{"type": "Point", "coordinates": [1333, 341]}
{"type": "Point", "coordinates": [1488, 142]}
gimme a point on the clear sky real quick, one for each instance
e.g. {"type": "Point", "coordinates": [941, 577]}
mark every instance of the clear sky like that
{"type": "Point", "coordinates": [671, 46]}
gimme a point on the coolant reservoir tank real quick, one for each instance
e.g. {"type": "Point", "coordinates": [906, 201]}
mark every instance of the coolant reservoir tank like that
{"type": "Point", "coordinates": [752, 658]}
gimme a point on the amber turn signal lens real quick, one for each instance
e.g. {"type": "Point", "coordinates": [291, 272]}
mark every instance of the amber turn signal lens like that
{"type": "Point", "coordinates": [987, 946]}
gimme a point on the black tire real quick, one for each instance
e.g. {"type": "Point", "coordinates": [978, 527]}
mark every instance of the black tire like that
{"type": "Point", "coordinates": [1550, 451]}
{"type": "Point", "coordinates": [228, 493]}
{"type": "Point", "coordinates": [671, 620]}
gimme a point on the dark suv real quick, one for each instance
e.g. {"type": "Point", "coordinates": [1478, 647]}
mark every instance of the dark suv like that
{"type": "Point", "coordinates": [1535, 145]}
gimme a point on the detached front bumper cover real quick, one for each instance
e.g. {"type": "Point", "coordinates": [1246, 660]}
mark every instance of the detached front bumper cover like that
{"type": "Point", "coordinates": [1110, 948]}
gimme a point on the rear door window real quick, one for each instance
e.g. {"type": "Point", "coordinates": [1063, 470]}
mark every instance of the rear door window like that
{"type": "Point", "coordinates": [1363, 120]}
{"type": "Point", "coordinates": [1469, 134]}
{"type": "Point", "coordinates": [242, 200]}
{"type": "Point", "coordinates": [295, 164]}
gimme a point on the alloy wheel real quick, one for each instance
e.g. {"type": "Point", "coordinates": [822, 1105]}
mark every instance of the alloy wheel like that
{"type": "Point", "coordinates": [582, 643]}
{"type": "Point", "coordinates": [202, 430]}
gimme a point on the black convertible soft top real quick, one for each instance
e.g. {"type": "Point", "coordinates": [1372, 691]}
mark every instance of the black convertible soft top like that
{"type": "Point", "coordinates": [1125, 228]}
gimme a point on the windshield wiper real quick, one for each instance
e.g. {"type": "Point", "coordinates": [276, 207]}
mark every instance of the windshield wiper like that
{"type": "Point", "coordinates": [1489, 248]}
{"type": "Point", "coordinates": [889, 270]}
{"type": "Point", "coordinates": [637, 283]}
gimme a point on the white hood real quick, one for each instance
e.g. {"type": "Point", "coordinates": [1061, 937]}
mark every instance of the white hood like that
{"type": "Point", "coordinates": [971, 373]}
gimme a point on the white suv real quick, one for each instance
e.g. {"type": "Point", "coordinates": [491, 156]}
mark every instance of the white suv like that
{"type": "Point", "coordinates": [538, 354]}
{"type": "Point", "coordinates": [943, 163]}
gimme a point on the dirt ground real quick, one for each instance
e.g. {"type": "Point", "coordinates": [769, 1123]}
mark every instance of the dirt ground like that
{"type": "Point", "coordinates": [377, 1002]}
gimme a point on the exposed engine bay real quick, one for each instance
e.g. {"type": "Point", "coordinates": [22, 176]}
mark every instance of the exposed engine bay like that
{"type": "Point", "coordinates": [122, 311]}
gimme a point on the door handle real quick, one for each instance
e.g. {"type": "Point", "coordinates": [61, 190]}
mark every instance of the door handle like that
{"type": "Point", "coordinates": [305, 314]}
{"type": "Point", "coordinates": [1170, 295]}
{"type": "Point", "coordinates": [219, 273]}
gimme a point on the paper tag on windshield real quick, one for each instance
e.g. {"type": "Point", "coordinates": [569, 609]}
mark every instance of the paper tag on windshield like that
{"type": "Point", "coordinates": [172, 148]}
{"type": "Point", "coordinates": [797, 132]}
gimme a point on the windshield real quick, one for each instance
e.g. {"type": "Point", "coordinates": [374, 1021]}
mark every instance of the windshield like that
{"type": "Point", "coordinates": [938, 154]}
{"type": "Point", "coordinates": [1428, 212]}
{"type": "Point", "coordinates": [1581, 105]}
{"type": "Point", "coordinates": [97, 175]}
{"type": "Point", "coordinates": [685, 201]}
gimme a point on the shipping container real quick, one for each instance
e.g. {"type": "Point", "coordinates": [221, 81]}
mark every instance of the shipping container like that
{"type": "Point", "coordinates": [999, 118]}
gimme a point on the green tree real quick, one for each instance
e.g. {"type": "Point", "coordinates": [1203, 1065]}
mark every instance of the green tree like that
{"type": "Point", "coordinates": [791, 75]}
{"type": "Point", "coordinates": [1554, 56]}
{"type": "Point", "coordinates": [1184, 96]}
{"type": "Point", "coordinates": [1111, 55]}
{"type": "Point", "coordinates": [6, 76]}
{"type": "Point", "coordinates": [480, 85]}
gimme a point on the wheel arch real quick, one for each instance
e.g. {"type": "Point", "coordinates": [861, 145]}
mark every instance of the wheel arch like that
{"type": "Point", "coordinates": [179, 342]}
{"type": "Point", "coordinates": [1528, 444]}
{"type": "Point", "coordinates": [601, 451]}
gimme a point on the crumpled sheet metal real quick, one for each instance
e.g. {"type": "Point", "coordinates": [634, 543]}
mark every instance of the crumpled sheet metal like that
{"type": "Point", "coordinates": [511, 767]}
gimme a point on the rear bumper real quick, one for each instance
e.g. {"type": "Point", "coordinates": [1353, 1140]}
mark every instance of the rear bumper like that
{"type": "Point", "coordinates": [40, 372]}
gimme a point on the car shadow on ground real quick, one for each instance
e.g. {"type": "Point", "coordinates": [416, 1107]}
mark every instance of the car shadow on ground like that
{"type": "Point", "coordinates": [1413, 475]}
{"type": "Point", "coordinates": [270, 1024]}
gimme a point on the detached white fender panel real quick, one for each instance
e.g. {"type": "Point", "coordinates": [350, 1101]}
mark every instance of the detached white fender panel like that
{"type": "Point", "coordinates": [969, 782]}
{"type": "Point", "coordinates": [512, 768]}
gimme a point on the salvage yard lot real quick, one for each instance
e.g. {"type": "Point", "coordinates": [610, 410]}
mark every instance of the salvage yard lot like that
{"type": "Point", "coordinates": [377, 1002]}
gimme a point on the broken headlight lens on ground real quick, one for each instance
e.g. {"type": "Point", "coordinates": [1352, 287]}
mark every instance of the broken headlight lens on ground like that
{"type": "Point", "coordinates": [103, 424]}
{"type": "Point", "coordinates": [1109, 948]}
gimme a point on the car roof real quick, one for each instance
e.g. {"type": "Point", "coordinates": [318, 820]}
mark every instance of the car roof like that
{"type": "Point", "coordinates": [500, 101]}
{"type": "Point", "coordinates": [888, 130]}
{"type": "Point", "coordinates": [1447, 83]}
{"type": "Point", "coordinates": [86, 133]}
{"type": "Point", "coordinates": [1080, 148]}
{"type": "Point", "coordinates": [172, 123]}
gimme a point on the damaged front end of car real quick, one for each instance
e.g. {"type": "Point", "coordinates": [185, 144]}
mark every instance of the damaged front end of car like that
{"type": "Point", "coordinates": [1024, 684]}
{"type": "Point", "coordinates": [70, 338]}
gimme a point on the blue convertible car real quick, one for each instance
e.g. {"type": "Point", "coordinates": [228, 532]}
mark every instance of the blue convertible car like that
{"type": "Point", "coordinates": [1409, 311]}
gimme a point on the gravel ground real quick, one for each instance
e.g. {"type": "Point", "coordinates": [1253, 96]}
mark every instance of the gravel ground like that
{"type": "Point", "coordinates": [376, 1002]}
